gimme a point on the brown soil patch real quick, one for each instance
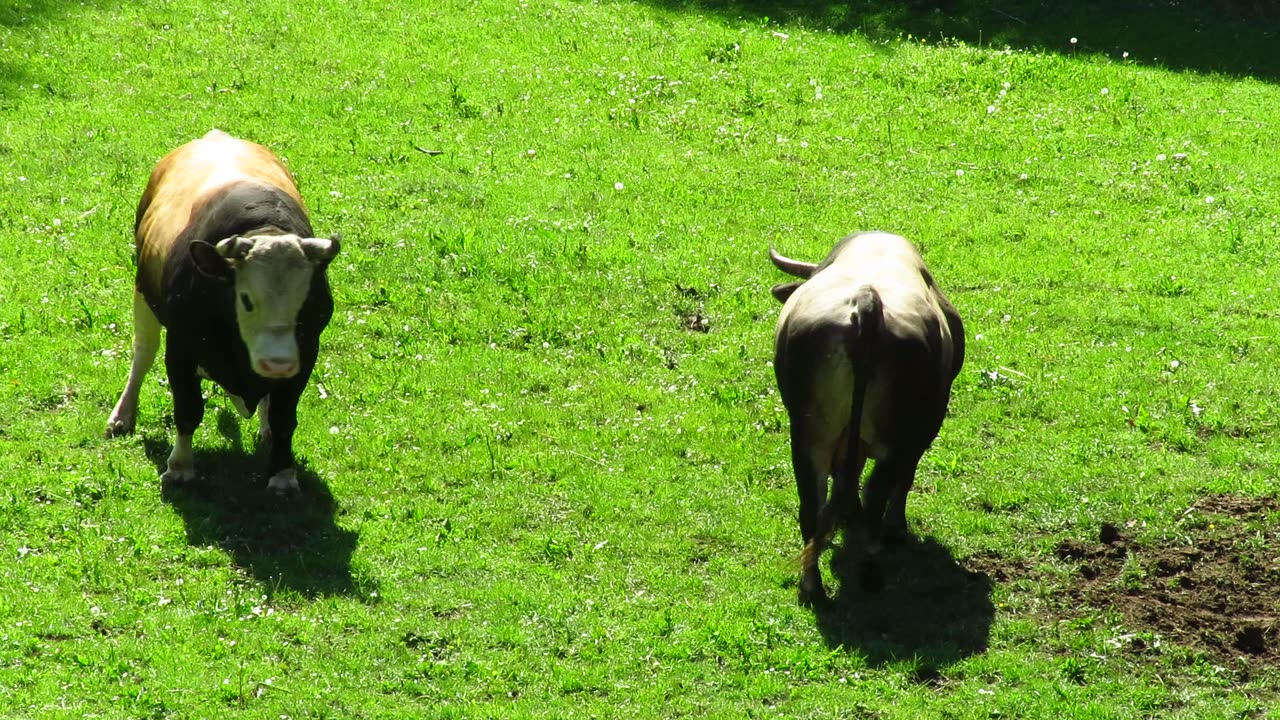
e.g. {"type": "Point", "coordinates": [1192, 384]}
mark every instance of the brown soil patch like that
{"type": "Point", "coordinates": [1214, 587]}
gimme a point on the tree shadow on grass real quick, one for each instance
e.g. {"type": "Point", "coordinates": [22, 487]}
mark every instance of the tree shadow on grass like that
{"type": "Point", "coordinates": [287, 543]}
{"type": "Point", "coordinates": [931, 610]}
{"type": "Point", "coordinates": [1233, 37]}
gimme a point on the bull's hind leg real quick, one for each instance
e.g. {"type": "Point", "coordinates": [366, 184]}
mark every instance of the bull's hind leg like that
{"type": "Point", "coordinates": [264, 427]}
{"type": "Point", "coordinates": [811, 485]}
{"type": "Point", "coordinates": [146, 341]}
{"type": "Point", "coordinates": [246, 412]}
{"type": "Point", "coordinates": [242, 408]}
{"type": "Point", "coordinates": [885, 497]}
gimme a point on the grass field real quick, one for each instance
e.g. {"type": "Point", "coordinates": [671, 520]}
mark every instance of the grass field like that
{"type": "Point", "coordinates": [545, 465]}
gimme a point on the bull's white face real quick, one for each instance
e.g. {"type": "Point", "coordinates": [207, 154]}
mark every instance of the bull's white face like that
{"type": "Point", "coordinates": [271, 284]}
{"type": "Point", "coordinates": [272, 276]}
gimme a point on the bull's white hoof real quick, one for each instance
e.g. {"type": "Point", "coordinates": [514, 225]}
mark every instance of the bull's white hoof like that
{"type": "Point", "coordinates": [178, 475]}
{"type": "Point", "coordinates": [120, 424]}
{"type": "Point", "coordinates": [285, 481]}
{"type": "Point", "coordinates": [182, 462]}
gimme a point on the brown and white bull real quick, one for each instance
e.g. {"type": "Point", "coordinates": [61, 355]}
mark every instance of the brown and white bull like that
{"type": "Point", "coordinates": [866, 350]}
{"type": "Point", "coordinates": [228, 266]}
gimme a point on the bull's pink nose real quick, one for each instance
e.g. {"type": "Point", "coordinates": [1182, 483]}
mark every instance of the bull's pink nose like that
{"type": "Point", "coordinates": [277, 367]}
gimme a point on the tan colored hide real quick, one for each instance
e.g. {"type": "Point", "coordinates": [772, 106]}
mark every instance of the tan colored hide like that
{"type": "Point", "coordinates": [184, 179]}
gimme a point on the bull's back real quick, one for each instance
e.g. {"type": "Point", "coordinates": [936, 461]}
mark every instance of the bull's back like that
{"type": "Point", "coordinates": [914, 352]}
{"type": "Point", "coordinates": [183, 180]}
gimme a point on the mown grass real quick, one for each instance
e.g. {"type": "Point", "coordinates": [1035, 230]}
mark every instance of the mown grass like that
{"type": "Point", "coordinates": [546, 469]}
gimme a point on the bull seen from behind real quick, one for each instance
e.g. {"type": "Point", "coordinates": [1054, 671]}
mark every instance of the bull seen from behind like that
{"type": "Point", "coordinates": [227, 264]}
{"type": "Point", "coordinates": [865, 353]}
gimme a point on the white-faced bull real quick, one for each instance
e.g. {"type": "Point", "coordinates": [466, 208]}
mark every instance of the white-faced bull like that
{"type": "Point", "coordinates": [228, 266]}
{"type": "Point", "coordinates": [866, 350]}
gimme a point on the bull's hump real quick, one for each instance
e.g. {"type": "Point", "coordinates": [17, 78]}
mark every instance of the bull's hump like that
{"type": "Point", "coordinates": [248, 205]}
{"type": "Point", "coordinates": [884, 249]}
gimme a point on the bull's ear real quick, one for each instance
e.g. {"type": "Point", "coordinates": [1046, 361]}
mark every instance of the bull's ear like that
{"type": "Point", "coordinates": [209, 262]}
{"type": "Point", "coordinates": [782, 291]}
{"type": "Point", "coordinates": [321, 250]}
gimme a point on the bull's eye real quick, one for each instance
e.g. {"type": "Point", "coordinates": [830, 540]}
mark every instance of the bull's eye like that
{"type": "Point", "coordinates": [244, 300]}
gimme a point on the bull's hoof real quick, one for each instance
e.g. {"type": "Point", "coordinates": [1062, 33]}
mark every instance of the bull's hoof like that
{"type": "Point", "coordinates": [177, 476]}
{"type": "Point", "coordinates": [813, 598]}
{"type": "Point", "coordinates": [283, 482]}
{"type": "Point", "coordinates": [895, 537]}
{"type": "Point", "coordinates": [118, 426]}
{"type": "Point", "coordinates": [811, 593]}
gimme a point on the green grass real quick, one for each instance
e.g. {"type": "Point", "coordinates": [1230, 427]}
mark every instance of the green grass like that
{"type": "Point", "coordinates": [533, 487]}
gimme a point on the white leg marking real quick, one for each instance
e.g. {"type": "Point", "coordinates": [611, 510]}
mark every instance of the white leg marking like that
{"type": "Point", "coordinates": [284, 481]}
{"type": "Point", "coordinates": [146, 341]}
{"type": "Point", "coordinates": [182, 465]}
{"type": "Point", "coordinates": [264, 427]}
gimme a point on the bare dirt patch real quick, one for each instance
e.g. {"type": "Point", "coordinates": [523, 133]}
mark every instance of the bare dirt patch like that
{"type": "Point", "coordinates": [1214, 587]}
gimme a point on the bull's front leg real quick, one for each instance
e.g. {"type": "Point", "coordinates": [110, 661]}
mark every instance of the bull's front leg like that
{"type": "Point", "coordinates": [885, 498]}
{"type": "Point", "coordinates": [895, 517]}
{"type": "Point", "coordinates": [279, 422]}
{"type": "Point", "coordinates": [188, 412]}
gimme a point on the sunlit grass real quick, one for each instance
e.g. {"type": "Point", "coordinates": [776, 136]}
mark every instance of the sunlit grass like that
{"type": "Point", "coordinates": [544, 410]}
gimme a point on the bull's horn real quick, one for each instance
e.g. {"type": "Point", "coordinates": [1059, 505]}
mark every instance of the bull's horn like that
{"type": "Point", "coordinates": [321, 250]}
{"type": "Point", "coordinates": [792, 267]}
{"type": "Point", "coordinates": [234, 248]}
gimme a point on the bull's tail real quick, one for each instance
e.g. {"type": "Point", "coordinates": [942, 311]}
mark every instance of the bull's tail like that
{"type": "Point", "coordinates": [866, 322]}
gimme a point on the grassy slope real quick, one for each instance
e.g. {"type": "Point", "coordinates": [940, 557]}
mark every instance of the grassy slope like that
{"type": "Point", "coordinates": [552, 498]}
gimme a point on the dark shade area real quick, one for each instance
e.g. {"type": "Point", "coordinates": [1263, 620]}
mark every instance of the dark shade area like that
{"type": "Point", "coordinates": [1234, 37]}
{"type": "Point", "coordinates": [931, 610]}
{"type": "Point", "coordinates": [289, 542]}
{"type": "Point", "coordinates": [21, 13]}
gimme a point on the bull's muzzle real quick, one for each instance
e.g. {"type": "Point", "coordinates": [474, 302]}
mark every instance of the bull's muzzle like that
{"type": "Point", "coordinates": [276, 367]}
{"type": "Point", "coordinates": [275, 353]}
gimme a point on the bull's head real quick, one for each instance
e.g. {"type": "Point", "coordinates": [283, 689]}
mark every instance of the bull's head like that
{"type": "Point", "coordinates": [782, 291]}
{"type": "Point", "coordinates": [272, 277]}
